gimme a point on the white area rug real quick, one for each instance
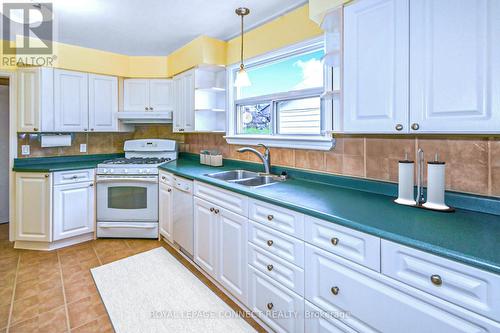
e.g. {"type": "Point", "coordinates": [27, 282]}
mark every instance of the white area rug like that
{"type": "Point", "coordinates": [153, 292]}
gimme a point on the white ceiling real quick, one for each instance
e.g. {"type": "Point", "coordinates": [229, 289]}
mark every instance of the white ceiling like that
{"type": "Point", "coordinates": [156, 27]}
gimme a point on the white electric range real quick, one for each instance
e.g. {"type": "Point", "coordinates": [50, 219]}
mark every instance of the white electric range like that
{"type": "Point", "coordinates": [127, 189]}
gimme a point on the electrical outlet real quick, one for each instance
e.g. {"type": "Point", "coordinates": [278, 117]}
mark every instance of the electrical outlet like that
{"type": "Point", "coordinates": [25, 150]}
{"type": "Point", "coordinates": [83, 148]}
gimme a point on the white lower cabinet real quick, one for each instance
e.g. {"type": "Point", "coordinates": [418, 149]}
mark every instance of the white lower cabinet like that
{"type": "Point", "coordinates": [165, 214]}
{"type": "Point", "coordinates": [73, 210]}
{"type": "Point", "coordinates": [374, 303]}
{"type": "Point", "coordinates": [277, 306]}
{"type": "Point", "coordinates": [319, 321]}
{"type": "Point", "coordinates": [220, 238]}
{"type": "Point", "coordinates": [33, 207]}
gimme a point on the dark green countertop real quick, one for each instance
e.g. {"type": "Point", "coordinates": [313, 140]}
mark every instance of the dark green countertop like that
{"type": "Point", "coordinates": [61, 163]}
{"type": "Point", "coordinates": [466, 236]}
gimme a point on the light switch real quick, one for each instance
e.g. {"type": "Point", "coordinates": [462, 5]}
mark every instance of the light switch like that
{"type": "Point", "coordinates": [25, 150]}
{"type": "Point", "coordinates": [83, 148]}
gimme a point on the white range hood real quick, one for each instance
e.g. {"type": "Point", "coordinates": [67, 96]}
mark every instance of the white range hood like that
{"type": "Point", "coordinates": [145, 117]}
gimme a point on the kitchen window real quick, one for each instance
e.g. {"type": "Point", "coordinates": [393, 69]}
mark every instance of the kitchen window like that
{"type": "Point", "coordinates": [283, 107]}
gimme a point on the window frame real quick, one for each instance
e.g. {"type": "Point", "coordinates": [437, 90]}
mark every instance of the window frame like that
{"type": "Point", "coordinates": [323, 141]}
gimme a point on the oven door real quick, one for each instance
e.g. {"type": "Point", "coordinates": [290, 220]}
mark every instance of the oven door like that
{"type": "Point", "coordinates": [127, 198]}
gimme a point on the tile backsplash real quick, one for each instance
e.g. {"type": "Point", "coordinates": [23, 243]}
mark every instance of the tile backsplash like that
{"type": "Point", "coordinates": [473, 163]}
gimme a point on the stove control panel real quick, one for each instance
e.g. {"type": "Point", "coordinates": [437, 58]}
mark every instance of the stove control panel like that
{"type": "Point", "coordinates": [127, 171]}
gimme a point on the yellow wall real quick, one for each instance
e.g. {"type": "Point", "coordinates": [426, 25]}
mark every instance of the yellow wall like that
{"type": "Point", "coordinates": [202, 50]}
{"type": "Point", "coordinates": [148, 66]}
{"type": "Point", "coordinates": [318, 8]}
{"type": "Point", "coordinates": [288, 29]}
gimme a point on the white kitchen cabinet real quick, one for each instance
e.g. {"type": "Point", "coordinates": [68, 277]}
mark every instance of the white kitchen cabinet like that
{"type": "Point", "coordinates": [231, 253]}
{"type": "Point", "coordinates": [70, 101]}
{"type": "Point", "coordinates": [148, 95]}
{"type": "Point", "coordinates": [73, 210]}
{"type": "Point", "coordinates": [166, 211]}
{"type": "Point", "coordinates": [376, 60]}
{"type": "Point", "coordinates": [374, 303]}
{"type": "Point", "coordinates": [205, 236]}
{"type": "Point", "coordinates": [35, 98]}
{"type": "Point", "coordinates": [103, 103]}
{"type": "Point", "coordinates": [455, 66]}
{"type": "Point", "coordinates": [318, 321]}
{"type": "Point", "coordinates": [199, 96]}
{"type": "Point", "coordinates": [421, 66]}
{"type": "Point", "coordinates": [33, 207]}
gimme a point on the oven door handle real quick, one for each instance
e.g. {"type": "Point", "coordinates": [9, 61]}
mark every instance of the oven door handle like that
{"type": "Point", "coordinates": [126, 226]}
{"type": "Point", "coordinates": [124, 179]}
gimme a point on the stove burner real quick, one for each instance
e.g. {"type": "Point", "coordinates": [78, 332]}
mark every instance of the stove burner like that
{"type": "Point", "coordinates": [138, 160]}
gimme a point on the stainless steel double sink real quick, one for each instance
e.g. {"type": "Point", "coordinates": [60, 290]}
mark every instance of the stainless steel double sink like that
{"type": "Point", "coordinates": [246, 178]}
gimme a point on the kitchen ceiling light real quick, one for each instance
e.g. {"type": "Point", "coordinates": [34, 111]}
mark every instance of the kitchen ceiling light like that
{"type": "Point", "coordinates": [242, 79]}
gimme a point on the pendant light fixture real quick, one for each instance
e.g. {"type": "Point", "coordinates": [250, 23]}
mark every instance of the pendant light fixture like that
{"type": "Point", "coordinates": [242, 79]}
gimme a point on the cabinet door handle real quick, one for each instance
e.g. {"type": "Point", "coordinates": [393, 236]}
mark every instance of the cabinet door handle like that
{"type": "Point", "coordinates": [415, 126]}
{"type": "Point", "coordinates": [216, 211]}
{"type": "Point", "coordinates": [146, 108]}
{"type": "Point", "coordinates": [270, 306]}
{"type": "Point", "coordinates": [212, 209]}
{"type": "Point", "coordinates": [169, 190]}
{"type": "Point", "coordinates": [270, 267]}
{"type": "Point", "coordinates": [163, 177]}
{"type": "Point", "coordinates": [335, 241]}
{"type": "Point", "coordinates": [270, 217]}
{"type": "Point", "coordinates": [85, 129]}
{"type": "Point", "coordinates": [399, 127]}
{"type": "Point", "coordinates": [35, 129]}
{"type": "Point", "coordinates": [270, 243]}
{"type": "Point", "coordinates": [91, 185]}
{"type": "Point", "coordinates": [436, 280]}
{"type": "Point", "coordinates": [46, 176]}
{"type": "Point", "coordinates": [151, 108]}
{"type": "Point", "coordinates": [92, 129]}
{"type": "Point", "coordinates": [335, 290]}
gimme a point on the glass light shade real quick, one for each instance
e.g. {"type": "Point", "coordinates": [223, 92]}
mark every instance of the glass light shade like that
{"type": "Point", "coordinates": [242, 79]}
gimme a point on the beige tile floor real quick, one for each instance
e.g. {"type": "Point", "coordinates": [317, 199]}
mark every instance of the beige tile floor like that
{"type": "Point", "coordinates": [54, 291]}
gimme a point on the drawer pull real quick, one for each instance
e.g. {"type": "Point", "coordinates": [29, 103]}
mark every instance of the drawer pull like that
{"type": "Point", "coordinates": [436, 280]}
{"type": "Point", "coordinates": [335, 241]}
{"type": "Point", "coordinates": [270, 267]}
{"type": "Point", "coordinates": [270, 243]}
{"type": "Point", "coordinates": [270, 217]}
{"type": "Point", "coordinates": [335, 290]}
{"type": "Point", "coordinates": [163, 177]}
{"type": "Point", "coordinates": [270, 306]}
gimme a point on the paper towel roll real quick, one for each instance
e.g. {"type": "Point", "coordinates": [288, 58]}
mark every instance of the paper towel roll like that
{"type": "Point", "coordinates": [406, 183]}
{"type": "Point", "coordinates": [436, 186]}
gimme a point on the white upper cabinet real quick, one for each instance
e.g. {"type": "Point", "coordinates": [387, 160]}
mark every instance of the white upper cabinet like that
{"type": "Point", "coordinates": [35, 99]}
{"type": "Point", "coordinates": [103, 103]}
{"type": "Point", "coordinates": [376, 66]}
{"type": "Point", "coordinates": [455, 66]}
{"type": "Point", "coordinates": [148, 95]}
{"type": "Point", "coordinates": [70, 101]}
{"type": "Point", "coordinates": [421, 66]}
{"type": "Point", "coordinates": [184, 102]}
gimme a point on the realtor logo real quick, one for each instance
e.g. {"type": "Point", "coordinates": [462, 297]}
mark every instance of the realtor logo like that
{"type": "Point", "coordinates": [27, 28]}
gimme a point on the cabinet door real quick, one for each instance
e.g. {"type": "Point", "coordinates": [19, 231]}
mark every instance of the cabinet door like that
{"type": "Point", "coordinates": [166, 212]}
{"type": "Point", "coordinates": [188, 95]}
{"type": "Point", "coordinates": [160, 96]}
{"type": "Point", "coordinates": [73, 210]}
{"type": "Point", "coordinates": [70, 101]}
{"type": "Point", "coordinates": [232, 259]}
{"type": "Point", "coordinates": [103, 103]}
{"type": "Point", "coordinates": [205, 236]}
{"type": "Point", "coordinates": [136, 95]}
{"type": "Point", "coordinates": [35, 99]}
{"type": "Point", "coordinates": [455, 66]}
{"type": "Point", "coordinates": [376, 40]}
{"type": "Point", "coordinates": [178, 114]}
{"type": "Point", "coordinates": [33, 202]}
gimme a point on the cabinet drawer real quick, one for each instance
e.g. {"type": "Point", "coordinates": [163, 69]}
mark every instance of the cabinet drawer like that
{"type": "Point", "coordinates": [463, 285]}
{"type": "Point", "coordinates": [275, 242]}
{"type": "Point", "coordinates": [351, 244]}
{"type": "Point", "coordinates": [368, 301]}
{"type": "Point", "coordinates": [280, 270]}
{"type": "Point", "coordinates": [278, 307]}
{"type": "Point", "coordinates": [166, 178]}
{"type": "Point", "coordinates": [279, 218]}
{"type": "Point", "coordinates": [73, 176]}
{"type": "Point", "coordinates": [234, 202]}
{"type": "Point", "coordinates": [318, 321]}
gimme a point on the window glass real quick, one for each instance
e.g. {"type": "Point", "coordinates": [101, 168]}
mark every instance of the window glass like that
{"type": "Point", "coordinates": [127, 197]}
{"type": "Point", "coordinates": [301, 71]}
{"type": "Point", "coordinates": [255, 119]}
{"type": "Point", "coordinates": [299, 116]}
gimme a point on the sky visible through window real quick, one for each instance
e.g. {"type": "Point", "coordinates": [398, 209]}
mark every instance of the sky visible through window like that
{"type": "Point", "coordinates": [297, 72]}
